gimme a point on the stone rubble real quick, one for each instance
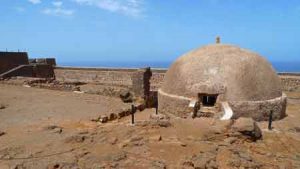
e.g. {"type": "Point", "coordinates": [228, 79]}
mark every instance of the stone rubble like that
{"type": "Point", "coordinates": [126, 96]}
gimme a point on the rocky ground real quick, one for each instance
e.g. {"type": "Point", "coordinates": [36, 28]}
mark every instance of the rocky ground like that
{"type": "Point", "coordinates": [41, 128]}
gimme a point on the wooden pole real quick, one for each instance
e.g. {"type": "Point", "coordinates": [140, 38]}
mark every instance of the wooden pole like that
{"type": "Point", "coordinates": [270, 120]}
{"type": "Point", "coordinates": [132, 114]}
{"type": "Point", "coordinates": [156, 108]}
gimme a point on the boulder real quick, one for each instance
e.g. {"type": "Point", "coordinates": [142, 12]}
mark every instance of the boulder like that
{"type": "Point", "coordinates": [247, 127]}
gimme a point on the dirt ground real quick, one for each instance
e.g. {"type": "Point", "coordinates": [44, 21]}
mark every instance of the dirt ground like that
{"type": "Point", "coordinates": [42, 128]}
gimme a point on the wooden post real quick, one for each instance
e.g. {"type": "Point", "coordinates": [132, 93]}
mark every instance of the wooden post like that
{"type": "Point", "coordinates": [270, 120]}
{"type": "Point", "coordinates": [132, 114]}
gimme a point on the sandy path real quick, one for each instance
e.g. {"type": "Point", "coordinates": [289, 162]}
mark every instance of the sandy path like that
{"type": "Point", "coordinates": [28, 106]}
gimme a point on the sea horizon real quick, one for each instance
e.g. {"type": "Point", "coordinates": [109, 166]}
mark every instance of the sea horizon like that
{"type": "Point", "coordinates": [279, 66]}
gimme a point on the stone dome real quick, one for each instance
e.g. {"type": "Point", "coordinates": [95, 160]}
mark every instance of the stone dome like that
{"type": "Point", "coordinates": [239, 74]}
{"type": "Point", "coordinates": [226, 77]}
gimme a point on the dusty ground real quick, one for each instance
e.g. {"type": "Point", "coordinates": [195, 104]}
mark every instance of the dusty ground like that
{"type": "Point", "coordinates": [42, 128]}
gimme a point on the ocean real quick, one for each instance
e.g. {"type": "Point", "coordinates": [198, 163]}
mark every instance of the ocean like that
{"type": "Point", "coordinates": [283, 66]}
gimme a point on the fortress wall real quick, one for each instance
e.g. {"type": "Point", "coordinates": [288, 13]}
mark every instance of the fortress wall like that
{"type": "Point", "coordinates": [43, 71]}
{"type": "Point", "coordinates": [11, 60]}
{"type": "Point", "coordinates": [103, 76]}
{"type": "Point", "coordinates": [290, 82]}
{"type": "Point", "coordinates": [22, 70]}
{"type": "Point", "coordinates": [122, 77]}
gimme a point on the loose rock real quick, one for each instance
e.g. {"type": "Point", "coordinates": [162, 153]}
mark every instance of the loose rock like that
{"type": "Point", "coordinates": [113, 140]}
{"type": "Point", "coordinates": [295, 129]}
{"type": "Point", "coordinates": [2, 133]}
{"type": "Point", "coordinates": [158, 117]}
{"type": "Point", "coordinates": [2, 106]}
{"type": "Point", "coordinates": [202, 160]}
{"type": "Point", "coordinates": [112, 116]}
{"type": "Point", "coordinates": [236, 158]}
{"type": "Point", "coordinates": [117, 157]}
{"type": "Point", "coordinates": [54, 129]}
{"type": "Point", "coordinates": [103, 119]}
{"type": "Point", "coordinates": [157, 164]}
{"type": "Point", "coordinates": [164, 123]}
{"type": "Point", "coordinates": [230, 140]}
{"type": "Point", "coordinates": [247, 127]}
{"type": "Point", "coordinates": [156, 138]}
{"type": "Point", "coordinates": [75, 139]}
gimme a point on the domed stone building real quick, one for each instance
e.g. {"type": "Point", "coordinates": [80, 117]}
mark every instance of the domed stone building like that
{"type": "Point", "coordinates": [225, 80]}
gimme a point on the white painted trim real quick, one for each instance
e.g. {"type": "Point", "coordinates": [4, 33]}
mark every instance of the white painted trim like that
{"type": "Point", "coordinates": [228, 113]}
{"type": "Point", "coordinates": [174, 96]}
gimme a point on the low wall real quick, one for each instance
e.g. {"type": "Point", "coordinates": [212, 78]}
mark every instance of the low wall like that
{"type": "Point", "coordinates": [123, 77]}
{"type": "Point", "coordinates": [172, 104]}
{"type": "Point", "coordinates": [260, 110]}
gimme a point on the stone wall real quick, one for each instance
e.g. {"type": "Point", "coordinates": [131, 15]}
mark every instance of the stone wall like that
{"type": "Point", "coordinates": [176, 105]}
{"type": "Point", "coordinates": [290, 82]}
{"type": "Point", "coordinates": [260, 110]}
{"type": "Point", "coordinates": [101, 76]}
{"type": "Point", "coordinates": [10, 60]}
{"type": "Point", "coordinates": [141, 82]}
{"type": "Point", "coordinates": [157, 79]}
{"type": "Point", "coordinates": [123, 77]}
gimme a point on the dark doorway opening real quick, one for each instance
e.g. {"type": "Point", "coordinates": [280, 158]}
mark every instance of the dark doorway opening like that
{"type": "Point", "coordinates": [208, 99]}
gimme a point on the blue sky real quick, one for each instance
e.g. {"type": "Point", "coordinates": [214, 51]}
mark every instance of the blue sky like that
{"type": "Point", "coordinates": [148, 30]}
